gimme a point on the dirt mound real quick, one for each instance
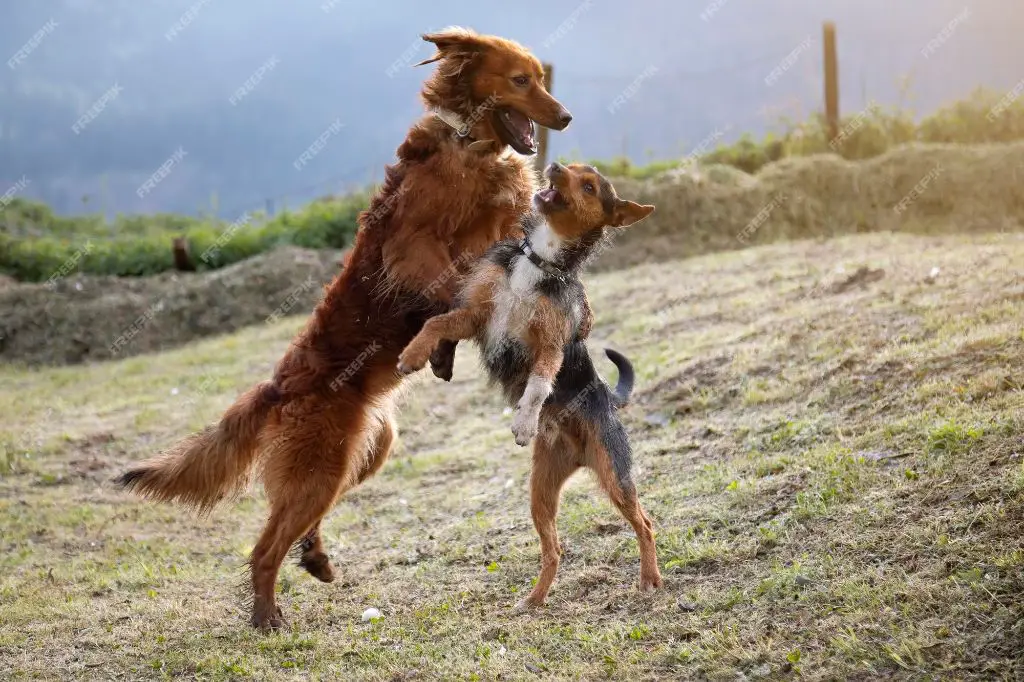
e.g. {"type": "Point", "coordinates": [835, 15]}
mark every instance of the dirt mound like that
{"type": "Point", "coordinates": [85, 318]}
{"type": "Point", "coordinates": [914, 188]}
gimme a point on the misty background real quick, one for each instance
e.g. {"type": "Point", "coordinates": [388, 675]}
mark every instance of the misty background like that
{"type": "Point", "coordinates": [237, 91]}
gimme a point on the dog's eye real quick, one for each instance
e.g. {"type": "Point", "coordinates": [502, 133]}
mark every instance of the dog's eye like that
{"type": "Point", "coordinates": [588, 188]}
{"type": "Point", "coordinates": [521, 81]}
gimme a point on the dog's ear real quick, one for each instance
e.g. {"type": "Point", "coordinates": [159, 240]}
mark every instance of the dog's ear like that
{"type": "Point", "coordinates": [452, 41]}
{"type": "Point", "coordinates": [628, 212]}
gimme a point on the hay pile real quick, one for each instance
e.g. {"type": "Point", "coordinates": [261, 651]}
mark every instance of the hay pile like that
{"type": "Point", "coordinates": [88, 318]}
{"type": "Point", "coordinates": [915, 188]}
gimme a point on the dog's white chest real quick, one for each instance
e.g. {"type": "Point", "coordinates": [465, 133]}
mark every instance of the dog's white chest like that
{"type": "Point", "coordinates": [514, 302]}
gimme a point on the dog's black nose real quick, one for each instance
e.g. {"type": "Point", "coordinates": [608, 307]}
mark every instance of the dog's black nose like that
{"type": "Point", "coordinates": [564, 118]}
{"type": "Point", "coordinates": [555, 168]}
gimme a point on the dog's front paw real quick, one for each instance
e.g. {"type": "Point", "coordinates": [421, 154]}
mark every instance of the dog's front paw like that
{"type": "Point", "coordinates": [524, 427]}
{"type": "Point", "coordinates": [410, 362]}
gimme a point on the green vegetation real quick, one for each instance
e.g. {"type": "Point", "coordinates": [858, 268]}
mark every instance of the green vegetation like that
{"type": "Point", "coordinates": [35, 244]}
{"type": "Point", "coordinates": [860, 516]}
{"type": "Point", "coordinates": [982, 118]}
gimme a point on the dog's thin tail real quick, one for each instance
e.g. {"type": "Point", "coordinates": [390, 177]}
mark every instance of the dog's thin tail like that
{"type": "Point", "coordinates": [208, 466]}
{"type": "Point", "coordinates": [624, 386]}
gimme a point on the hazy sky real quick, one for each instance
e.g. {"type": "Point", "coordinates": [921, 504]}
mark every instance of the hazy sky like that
{"type": "Point", "coordinates": [100, 94]}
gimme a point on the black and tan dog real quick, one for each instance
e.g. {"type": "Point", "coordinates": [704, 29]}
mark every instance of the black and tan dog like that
{"type": "Point", "coordinates": [525, 306]}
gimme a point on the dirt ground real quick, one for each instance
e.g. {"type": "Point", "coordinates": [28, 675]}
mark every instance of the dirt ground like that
{"type": "Point", "coordinates": [85, 318]}
{"type": "Point", "coordinates": [828, 437]}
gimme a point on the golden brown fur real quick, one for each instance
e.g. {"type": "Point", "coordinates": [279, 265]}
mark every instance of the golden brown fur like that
{"type": "Point", "coordinates": [324, 423]}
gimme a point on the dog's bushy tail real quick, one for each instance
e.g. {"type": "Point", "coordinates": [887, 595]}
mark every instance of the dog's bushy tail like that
{"type": "Point", "coordinates": [624, 386]}
{"type": "Point", "coordinates": [208, 466]}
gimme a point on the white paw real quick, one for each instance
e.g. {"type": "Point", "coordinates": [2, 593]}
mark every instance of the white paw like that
{"type": "Point", "coordinates": [407, 364]}
{"type": "Point", "coordinates": [524, 427]}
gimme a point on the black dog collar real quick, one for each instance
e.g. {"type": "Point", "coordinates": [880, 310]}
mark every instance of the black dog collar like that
{"type": "Point", "coordinates": [532, 256]}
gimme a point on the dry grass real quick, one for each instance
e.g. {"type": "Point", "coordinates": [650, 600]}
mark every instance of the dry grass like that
{"type": "Point", "coordinates": [832, 460]}
{"type": "Point", "coordinates": [939, 189]}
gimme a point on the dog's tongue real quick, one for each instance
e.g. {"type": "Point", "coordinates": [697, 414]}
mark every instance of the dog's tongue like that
{"type": "Point", "coordinates": [522, 125]}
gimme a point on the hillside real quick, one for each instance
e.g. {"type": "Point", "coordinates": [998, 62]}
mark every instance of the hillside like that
{"type": "Point", "coordinates": [78, 311]}
{"type": "Point", "coordinates": [832, 457]}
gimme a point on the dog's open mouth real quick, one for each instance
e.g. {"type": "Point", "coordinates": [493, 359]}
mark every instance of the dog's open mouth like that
{"type": "Point", "coordinates": [516, 130]}
{"type": "Point", "coordinates": [549, 197]}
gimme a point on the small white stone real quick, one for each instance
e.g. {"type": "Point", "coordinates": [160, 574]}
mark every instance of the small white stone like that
{"type": "Point", "coordinates": [174, 391]}
{"type": "Point", "coordinates": [510, 482]}
{"type": "Point", "coordinates": [78, 286]}
{"type": "Point", "coordinates": [507, 411]}
{"type": "Point", "coordinates": [371, 614]}
{"type": "Point", "coordinates": [934, 273]}
{"type": "Point", "coordinates": [402, 501]}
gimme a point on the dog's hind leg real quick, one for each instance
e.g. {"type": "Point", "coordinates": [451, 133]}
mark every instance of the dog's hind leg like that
{"type": "Point", "coordinates": [622, 492]}
{"type": "Point", "coordinates": [303, 477]}
{"type": "Point", "coordinates": [314, 558]}
{"type": "Point", "coordinates": [551, 469]}
{"type": "Point", "coordinates": [380, 447]}
{"type": "Point", "coordinates": [629, 505]}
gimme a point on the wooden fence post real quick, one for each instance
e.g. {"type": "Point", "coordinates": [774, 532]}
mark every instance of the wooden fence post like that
{"type": "Point", "coordinates": [542, 132]}
{"type": "Point", "coordinates": [831, 82]}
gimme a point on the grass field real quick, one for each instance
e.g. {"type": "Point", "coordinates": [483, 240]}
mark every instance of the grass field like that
{"type": "Point", "coordinates": [832, 458]}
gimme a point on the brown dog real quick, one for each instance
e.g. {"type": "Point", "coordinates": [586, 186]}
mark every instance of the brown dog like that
{"type": "Point", "coordinates": [324, 423]}
{"type": "Point", "coordinates": [525, 306]}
